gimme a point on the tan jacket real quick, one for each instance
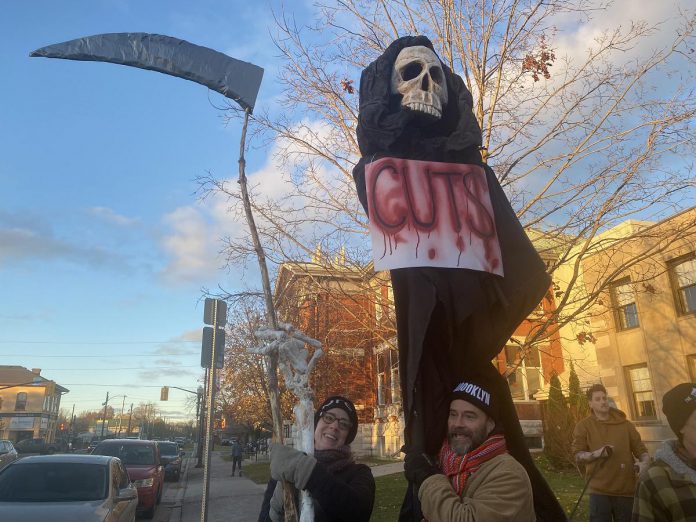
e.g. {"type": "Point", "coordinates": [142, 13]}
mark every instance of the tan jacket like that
{"type": "Point", "coordinates": [499, 491]}
{"type": "Point", "coordinates": [614, 476]}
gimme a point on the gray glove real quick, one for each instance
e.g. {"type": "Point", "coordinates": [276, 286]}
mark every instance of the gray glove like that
{"type": "Point", "coordinates": [291, 465]}
{"type": "Point", "coordinates": [277, 504]}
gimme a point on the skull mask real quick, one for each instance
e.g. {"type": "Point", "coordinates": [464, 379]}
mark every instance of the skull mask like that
{"type": "Point", "coordinates": [419, 78]}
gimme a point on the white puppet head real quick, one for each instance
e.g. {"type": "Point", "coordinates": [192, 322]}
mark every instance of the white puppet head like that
{"type": "Point", "coordinates": [419, 78]}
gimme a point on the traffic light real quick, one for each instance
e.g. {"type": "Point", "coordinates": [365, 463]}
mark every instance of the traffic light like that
{"type": "Point", "coordinates": [164, 393]}
{"type": "Point", "coordinates": [62, 426]}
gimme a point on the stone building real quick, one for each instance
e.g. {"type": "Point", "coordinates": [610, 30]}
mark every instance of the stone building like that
{"type": "Point", "coordinates": [644, 321]}
{"type": "Point", "coordinates": [29, 404]}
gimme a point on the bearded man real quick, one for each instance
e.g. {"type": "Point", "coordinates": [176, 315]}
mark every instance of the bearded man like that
{"type": "Point", "coordinates": [475, 479]}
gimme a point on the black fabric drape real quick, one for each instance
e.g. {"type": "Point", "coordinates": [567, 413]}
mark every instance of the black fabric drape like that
{"type": "Point", "coordinates": [450, 321]}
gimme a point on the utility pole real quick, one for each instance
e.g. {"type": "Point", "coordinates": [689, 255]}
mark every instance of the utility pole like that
{"type": "Point", "coordinates": [199, 428]}
{"type": "Point", "coordinates": [130, 417]}
{"type": "Point", "coordinates": [106, 403]}
{"type": "Point", "coordinates": [120, 419]}
{"type": "Point", "coordinates": [201, 422]}
{"type": "Point", "coordinates": [70, 431]}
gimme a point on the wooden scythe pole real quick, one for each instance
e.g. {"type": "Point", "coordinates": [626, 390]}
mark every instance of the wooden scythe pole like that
{"type": "Point", "coordinates": [271, 359]}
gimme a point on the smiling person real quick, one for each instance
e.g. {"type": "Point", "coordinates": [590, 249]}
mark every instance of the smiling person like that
{"type": "Point", "coordinates": [341, 489]}
{"type": "Point", "coordinates": [475, 479]}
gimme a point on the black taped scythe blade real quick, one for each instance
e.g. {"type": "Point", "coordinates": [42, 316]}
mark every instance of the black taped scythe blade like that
{"type": "Point", "coordinates": [237, 80]}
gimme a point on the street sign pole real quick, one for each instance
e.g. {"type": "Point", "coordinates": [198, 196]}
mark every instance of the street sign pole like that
{"type": "Point", "coordinates": [217, 318]}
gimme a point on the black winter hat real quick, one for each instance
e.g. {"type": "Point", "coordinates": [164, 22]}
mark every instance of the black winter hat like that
{"type": "Point", "coordinates": [337, 401]}
{"type": "Point", "coordinates": [678, 404]}
{"type": "Point", "coordinates": [480, 393]}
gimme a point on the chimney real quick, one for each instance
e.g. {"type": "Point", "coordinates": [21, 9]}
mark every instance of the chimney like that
{"type": "Point", "coordinates": [36, 371]}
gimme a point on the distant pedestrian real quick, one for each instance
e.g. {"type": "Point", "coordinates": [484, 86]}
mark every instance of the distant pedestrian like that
{"type": "Point", "coordinates": [667, 490]}
{"type": "Point", "coordinates": [608, 443]}
{"type": "Point", "coordinates": [236, 457]}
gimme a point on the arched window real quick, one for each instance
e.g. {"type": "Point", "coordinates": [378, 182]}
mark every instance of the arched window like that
{"type": "Point", "coordinates": [21, 403]}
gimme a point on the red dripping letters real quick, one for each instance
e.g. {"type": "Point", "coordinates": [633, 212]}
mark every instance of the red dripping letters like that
{"type": "Point", "coordinates": [425, 213]}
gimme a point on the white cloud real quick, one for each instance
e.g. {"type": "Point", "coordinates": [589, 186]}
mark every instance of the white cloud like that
{"type": "Point", "coordinates": [193, 244]}
{"type": "Point", "coordinates": [31, 239]}
{"type": "Point", "coordinates": [575, 39]}
{"type": "Point", "coordinates": [110, 216]}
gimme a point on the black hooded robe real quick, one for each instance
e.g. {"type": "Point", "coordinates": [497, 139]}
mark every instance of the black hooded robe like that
{"type": "Point", "coordinates": [449, 320]}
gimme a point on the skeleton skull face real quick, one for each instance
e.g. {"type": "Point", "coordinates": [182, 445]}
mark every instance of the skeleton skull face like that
{"type": "Point", "coordinates": [419, 78]}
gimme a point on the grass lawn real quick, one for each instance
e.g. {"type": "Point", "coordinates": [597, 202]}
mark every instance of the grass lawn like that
{"type": "Point", "coordinates": [259, 472]}
{"type": "Point", "coordinates": [567, 486]}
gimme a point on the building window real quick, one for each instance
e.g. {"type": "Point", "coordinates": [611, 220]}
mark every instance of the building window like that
{"type": "Point", "coordinates": [624, 300]}
{"type": "Point", "coordinates": [388, 385]}
{"type": "Point", "coordinates": [524, 375]}
{"type": "Point", "coordinates": [21, 403]}
{"type": "Point", "coordinates": [641, 392]}
{"type": "Point", "coordinates": [683, 274]}
{"type": "Point", "coordinates": [690, 362]}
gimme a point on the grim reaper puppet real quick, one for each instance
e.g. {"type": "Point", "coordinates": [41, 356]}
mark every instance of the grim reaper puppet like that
{"type": "Point", "coordinates": [464, 273]}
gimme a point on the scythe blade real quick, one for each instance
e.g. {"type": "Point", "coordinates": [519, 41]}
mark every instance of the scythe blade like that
{"type": "Point", "coordinates": [234, 79]}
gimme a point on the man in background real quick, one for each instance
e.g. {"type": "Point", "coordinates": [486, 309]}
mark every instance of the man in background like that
{"type": "Point", "coordinates": [236, 457]}
{"type": "Point", "coordinates": [607, 443]}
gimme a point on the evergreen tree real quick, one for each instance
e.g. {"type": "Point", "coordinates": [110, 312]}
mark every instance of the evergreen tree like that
{"type": "Point", "coordinates": [577, 401]}
{"type": "Point", "coordinates": [558, 427]}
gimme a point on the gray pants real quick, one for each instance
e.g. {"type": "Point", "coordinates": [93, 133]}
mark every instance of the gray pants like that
{"type": "Point", "coordinates": [606, 508]}
{"type": "Point", "coordinates": [236, 461]}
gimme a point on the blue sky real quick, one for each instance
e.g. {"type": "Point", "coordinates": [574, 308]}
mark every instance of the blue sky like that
{"type": "Point", "coordinates": [102, 253]}
{"type": "Point", "coordinates": [104, 243]}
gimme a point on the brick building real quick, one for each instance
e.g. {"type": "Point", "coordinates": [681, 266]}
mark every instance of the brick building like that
{"type": "Point", "coordinates": [336, 304]}
{"type": "Point", "coordinates": [350, 310]}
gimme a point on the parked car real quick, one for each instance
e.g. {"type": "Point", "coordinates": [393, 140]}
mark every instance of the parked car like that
{"type": "Point", "coordinates": [67, 488]}
{"type": "Point", "coordinates": [172, 458]}
{"type": "Point", "coordinates": [142, 461]}
{"type": "Point", "coordinates": [41, 446]}
{"type": "Point", "coordinates": [7, 453]}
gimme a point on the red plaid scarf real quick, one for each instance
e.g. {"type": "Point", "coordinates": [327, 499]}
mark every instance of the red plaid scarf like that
{"type": "Point", "coordinates": [458, 468]}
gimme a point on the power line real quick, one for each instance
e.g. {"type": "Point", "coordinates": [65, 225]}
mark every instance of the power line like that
{"type": "Point", "coordinates": [98, 342]}
{"type": "Point", "coordinates": [120, 356]}
{"type": "Point", "coordinates": [114, 369]}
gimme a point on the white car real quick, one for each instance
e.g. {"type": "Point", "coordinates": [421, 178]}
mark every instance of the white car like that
{"type": "Point", "coordinates": [67, 488]}
{"type": "Point", "coordinates": [7, 453]}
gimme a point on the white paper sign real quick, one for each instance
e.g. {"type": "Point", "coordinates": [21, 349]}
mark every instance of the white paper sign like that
{"type": "Point", "coordinates": [425, 213]}
{"type": "Point", "coordinates": [21, 423]}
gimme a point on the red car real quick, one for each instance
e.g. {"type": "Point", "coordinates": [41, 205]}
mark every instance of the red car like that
{"type": "Point", "coordinates": [142, 461]}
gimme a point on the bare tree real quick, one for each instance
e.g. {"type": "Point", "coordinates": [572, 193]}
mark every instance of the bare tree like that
{"type": "Point", "coordinates": [585, 129]}
{"type": "Point", "coordinates": [244, 387]}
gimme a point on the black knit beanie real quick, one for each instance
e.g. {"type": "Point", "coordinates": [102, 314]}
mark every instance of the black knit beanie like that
{"type": "Point", "coordinates": [478, 392]}
{"type": "Point", "coordinates": [678, 404]}
{"type": "Point", "coordinates": [337, 401]}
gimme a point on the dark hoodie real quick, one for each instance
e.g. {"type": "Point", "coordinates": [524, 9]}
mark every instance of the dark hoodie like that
{"type": "Point", "coordinates": [450, 320]}
{"type": "Point", "coordinates": [615, 475]}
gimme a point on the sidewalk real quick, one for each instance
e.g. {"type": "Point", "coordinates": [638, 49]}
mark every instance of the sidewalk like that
{"type": "Point", "coordinates": [231, 499]}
